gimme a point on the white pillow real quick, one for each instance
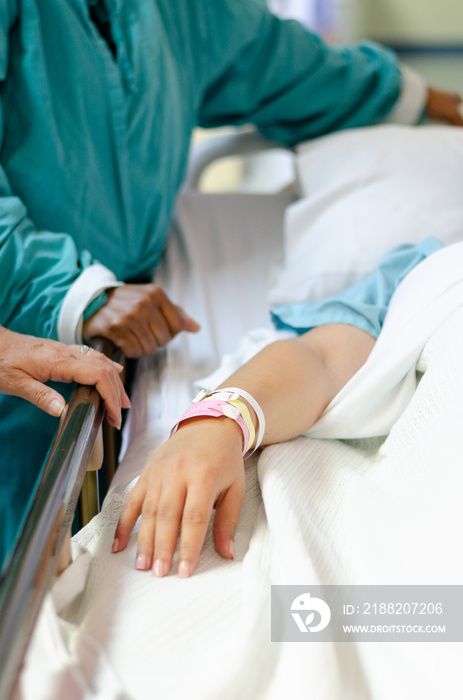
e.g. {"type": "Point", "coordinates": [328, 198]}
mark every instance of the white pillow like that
{"type": "Point", "coordinates": [365, 191]}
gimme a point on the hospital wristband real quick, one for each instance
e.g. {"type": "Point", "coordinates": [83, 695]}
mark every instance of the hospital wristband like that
{"type": "Point", "coordinates": [257, 410]}
{"type": "Point", "coordinates": [242, 408]}
{"type": "Point", "coordinates": [216, 409]}
{"type": "Point", "coordinates": [251, 401]}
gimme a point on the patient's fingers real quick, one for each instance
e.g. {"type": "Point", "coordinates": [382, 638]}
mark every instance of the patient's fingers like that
{"type": "Point", "coordinates": [129, 515]}
{"type": "Point", "coordinates": [168, 516]}
{"type": "Point", "coordinates": [199, 466]}
{"type": "Point", "coordinates": [226, 519]}
{"type": "Point", "coordinates": [195, 521]}
{"type": "Point", "coordinates": [147, 529]}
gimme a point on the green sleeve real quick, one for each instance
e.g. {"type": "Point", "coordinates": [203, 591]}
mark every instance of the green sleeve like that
{"type": "Point", "coordinates": [36, 270]}
{"type": "Point", "coordinates": [36, 267]}
{"type": "Point", "coordinates": [287, 81]}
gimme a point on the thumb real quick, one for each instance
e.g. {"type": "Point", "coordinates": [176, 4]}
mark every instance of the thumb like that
{"type": "Point", "coordinates": [226, 520]}
{"type": "Point", "coordinates": [42, 396]}
{"type": "Point", "coordinates": [190, 324]}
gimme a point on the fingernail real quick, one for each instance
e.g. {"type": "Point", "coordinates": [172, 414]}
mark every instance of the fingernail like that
{"type": "Point", "coordinates": [115, 422]}
{"type": "Point", "coordinates": [141, 562]}
{"type": "Point", "coordinates": [115, 547]}
{"type": "Point", "coordinates": [56, 407]}
{"type": "Point", "coordinates": [183, 569]}
{"type": "Point", "coordinates": [159, 568]}
{"type": "Point", "coordinates": [232, 549]}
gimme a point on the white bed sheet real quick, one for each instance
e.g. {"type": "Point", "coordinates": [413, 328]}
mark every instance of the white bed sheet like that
{"type": "Point", "coordinates": [335, 512]}
{"type": "Point", "coordinates": [220, 270]}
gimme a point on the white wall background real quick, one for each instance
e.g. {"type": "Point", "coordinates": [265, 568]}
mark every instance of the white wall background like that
{"type": "Point", "coordinates": [391, 21]}
{"type": "Point", "coordinates": [412, 21]}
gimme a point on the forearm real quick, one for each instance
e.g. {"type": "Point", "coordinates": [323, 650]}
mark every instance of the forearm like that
{"type": "Point", "coordinates": [201, 466]}
{"type": "Point", "coordinates": [294, 380]}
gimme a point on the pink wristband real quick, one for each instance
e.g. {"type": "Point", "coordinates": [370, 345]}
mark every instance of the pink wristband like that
{"type": "Point", "coordinates": [214, 409]}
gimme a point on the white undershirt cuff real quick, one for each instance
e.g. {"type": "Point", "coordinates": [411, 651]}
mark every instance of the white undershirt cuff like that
{"type": "Point", "coordinates": [90, 283]}
{"type": "Point", "coordinates": [412, 101]}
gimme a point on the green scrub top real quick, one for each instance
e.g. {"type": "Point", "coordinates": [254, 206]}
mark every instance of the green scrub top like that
{"type": "Point", "coordinates": [95, 126]}
{"type": "Point", "coordinates": [94, 147]}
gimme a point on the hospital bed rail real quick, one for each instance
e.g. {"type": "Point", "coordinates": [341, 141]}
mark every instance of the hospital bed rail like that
{"type": "Point", "coordinates": [240, 142]}
{"type": "Point", "coordinates": [38, 553]}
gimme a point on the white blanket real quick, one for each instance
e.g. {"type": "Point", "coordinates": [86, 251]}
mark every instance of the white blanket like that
{"type": "Point", "coordinates": [335, 512]}
{"type": "Point", "coordinates": [316, 510]}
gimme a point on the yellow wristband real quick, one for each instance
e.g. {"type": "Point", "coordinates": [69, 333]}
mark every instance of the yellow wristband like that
{"type": "Point", "coordinates": [243, 409]}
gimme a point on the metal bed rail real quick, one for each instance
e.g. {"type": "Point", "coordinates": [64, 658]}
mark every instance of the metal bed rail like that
{"type": "Point", "coordinates": [36, 557]}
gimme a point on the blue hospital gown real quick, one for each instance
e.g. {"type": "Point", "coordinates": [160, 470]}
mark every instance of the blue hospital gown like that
{"type": "Point", "coordinates": [363, 305]}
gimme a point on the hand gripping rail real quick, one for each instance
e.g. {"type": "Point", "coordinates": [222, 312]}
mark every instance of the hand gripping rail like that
{"type": "Point", "coordinates": [35, 560]}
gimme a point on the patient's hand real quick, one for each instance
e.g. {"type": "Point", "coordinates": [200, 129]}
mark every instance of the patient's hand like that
{"type": "Point", "coordinates": [138, 318]}
{"type": "Point", "coordinates": [445, 106]}
{"type": "Point", "coordinates": [199, 468]}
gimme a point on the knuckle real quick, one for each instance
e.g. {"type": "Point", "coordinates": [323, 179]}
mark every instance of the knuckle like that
{"type": "Point", "coordinates": [176, 469]}
{"type": "Point", "coordinates": [229, 524]}
{"type": "Point", "coordinates": [209, 472]}
{"type": "Point", "coordinates": [95, 355]}
{"type": "Point", "coordinates": [195, 516]}
{"type": "Point", "coordinates": [144, 304]}
{"type": "Point", "coordinates": [132, 316]}
{"type": "Point", "coordinates": [101, 373]}
{"type": "Point", "coordinates": [150, 509]}
{"type": "Point", "coordinates": [41, 396]}
{"type": "Point", "coordinates": [115, 330]}
{"type": "Point", "coordinates": [189, 551]}
{"type": "Point", "coordinates": [58, 353]}
{"type": "Point", "coordinates": [168, 511]}
{"type": "Point", "coordinates": [131, 510]}
{"type": "Point", "coordinates": [155, 292]}
{"type": "Point", "coordinates": [163, 338]}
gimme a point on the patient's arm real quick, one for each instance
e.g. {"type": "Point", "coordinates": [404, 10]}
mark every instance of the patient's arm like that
{"type": "Point", "coordinates": [201, 466]}
{"type": "Point", "coordinates": [294, 380]}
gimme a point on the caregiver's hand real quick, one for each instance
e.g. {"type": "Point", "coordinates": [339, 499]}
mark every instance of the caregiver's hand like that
{"type": "Point", "coordinates": [138, 318]}
{"type": "Point", "coordinates": [445, 106]}
{"type": "Point", "coordinates": [199, 468]}
{"type": "Point", "coordinates": [27, 362]}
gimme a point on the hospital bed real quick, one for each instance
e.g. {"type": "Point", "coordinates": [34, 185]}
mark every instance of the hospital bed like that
{"type": "Point", "coordinates": [382, 509]}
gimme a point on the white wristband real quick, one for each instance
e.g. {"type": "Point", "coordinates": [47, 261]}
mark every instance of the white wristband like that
{"type": "Point", "coordinates": [258, 411]}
